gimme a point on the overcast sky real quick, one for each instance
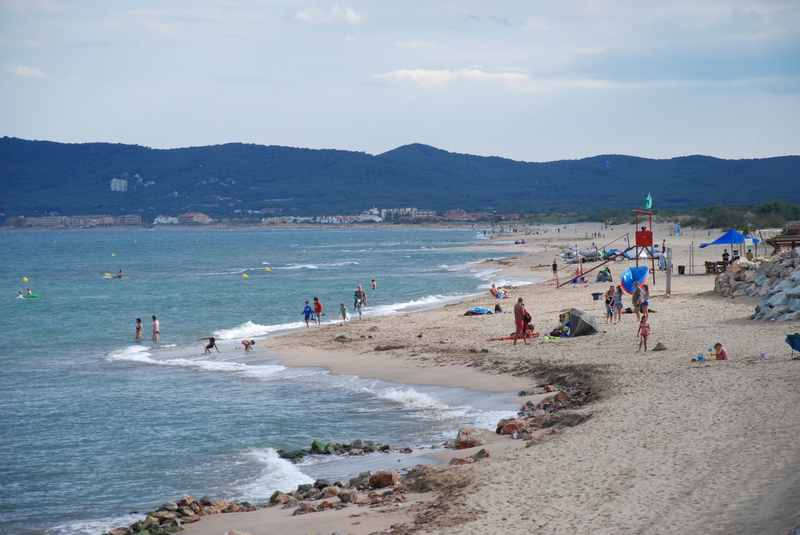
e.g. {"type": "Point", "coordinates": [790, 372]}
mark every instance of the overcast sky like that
{"type": "Point", "coordinates": [528, 80]}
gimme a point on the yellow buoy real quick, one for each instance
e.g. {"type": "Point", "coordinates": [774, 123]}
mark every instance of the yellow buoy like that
{"type": "Point", "coordinates": [25, 279]}
{"type": "Point", "coordinates": [245, 276]}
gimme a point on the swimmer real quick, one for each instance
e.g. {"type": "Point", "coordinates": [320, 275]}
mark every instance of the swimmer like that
{"type": "Point", "coordinates": [212, 344]}
{"type": "Point", "coordinates": [138, 329]}
{"type": "Point", "coordinates": [19, 295]}
{"type": "Point", "coordinates": [248, 344]}
{"type": "Point", "coordinates": [119, 274]}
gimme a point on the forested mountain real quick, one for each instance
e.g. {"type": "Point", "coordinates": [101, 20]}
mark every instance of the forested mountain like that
{"type": "Point", "coordinates": [40, 177]}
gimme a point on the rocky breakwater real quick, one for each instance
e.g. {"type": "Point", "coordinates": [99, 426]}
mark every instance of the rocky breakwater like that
{"type": "Point", "coordinates": [171, 517]}
{"type": "Point", "coordinates": [356, 447]}
{"type": "Point", "coordinates": [775, 281]}
{"type": "Point", "coordinates": [536, 421]}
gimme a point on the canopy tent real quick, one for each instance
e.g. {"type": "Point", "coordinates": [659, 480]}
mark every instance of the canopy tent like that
{"type": "Point", "coordinates": [732, 237]}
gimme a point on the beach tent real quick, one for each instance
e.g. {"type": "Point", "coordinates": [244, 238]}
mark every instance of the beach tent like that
{"type": "Point", "coordinates": [731, 237]}
{"type": "Point", "coordinates": [580, 323]}
{"type": "Point", "coordinates": [633, 277]}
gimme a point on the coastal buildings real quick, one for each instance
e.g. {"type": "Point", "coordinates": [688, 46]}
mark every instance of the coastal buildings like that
{"type": "Point", "coordinates": [165, 220]}
{"type": "Point", "coordinates": [75, 221]}
{"type": "Point", "coordinates": [195, 218]}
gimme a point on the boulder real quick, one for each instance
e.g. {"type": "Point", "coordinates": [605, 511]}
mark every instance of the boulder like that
{"type": "Point", "coordinates": [170, 506]}
{"type": "Point", "coordinates": [468, 437]}
{"type": "Point", "coordinates": [189, 519]}
{"type": "Point", "coordinates": [119, 531]}
{"type": "Point", "coordinates": [361, 481]}
{"type": "Point", "coordinates": [304, 508]}
{"type": "Point", "coordinates": [383, 479]}
{"type": "Point", "coordinates": [511, 427]}
{"type": "Point", "coordinates": [330, 491]}
{"type": "Point", "coordinates": [481, 454]}
{"type": "Point", "coordinates": [457, 461]}
{"type": "Point", "coordinates": [346, 495]}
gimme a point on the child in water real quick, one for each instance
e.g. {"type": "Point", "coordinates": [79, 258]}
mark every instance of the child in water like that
{"type": "Point", "coordinates": [644, 333]}
{"type": "Point", "coordinates": [212, 344]}
{"type": "Point", "coordinates": [308, 313]}
{"type": "Point", "coordinates": [248, 344]}
{"type": "Point", "coordinates": [138, 329]}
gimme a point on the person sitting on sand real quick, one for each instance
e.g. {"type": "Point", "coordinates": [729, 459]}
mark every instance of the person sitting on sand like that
{"type": "Point", "coordinates": [308, 313]}
{"type": "Point", "coordinates": [248, 344]}
{"type": "Point", "coordinates": [212, 344]}
{"type": "Point", "coordinates": [643, 333]}
{"type": "Point", "coordinates": [498, 293]}
{"type": "Point", "coordinates": [520, 314]}
{"type": "Point", "coordinates": [720, 352]}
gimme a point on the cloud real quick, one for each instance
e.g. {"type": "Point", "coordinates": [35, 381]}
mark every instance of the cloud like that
{"type": "Point", "coordinates": [440, 77]}
{"type": "Point", "coordinates": [24, 71]}
{"type": "Point", "coordinates": [336, 14]}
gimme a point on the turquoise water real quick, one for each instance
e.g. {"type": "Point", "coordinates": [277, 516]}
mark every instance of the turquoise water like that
{"type": "Point", "coordinates": [95, 426]}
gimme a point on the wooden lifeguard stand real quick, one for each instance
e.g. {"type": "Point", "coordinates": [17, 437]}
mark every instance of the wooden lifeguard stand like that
{"type": "Point", "coordinates": [644, 237]}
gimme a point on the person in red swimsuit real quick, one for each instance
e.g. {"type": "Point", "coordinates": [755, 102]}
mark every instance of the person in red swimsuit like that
{"type": "Point", "coordinates": [520, 315]}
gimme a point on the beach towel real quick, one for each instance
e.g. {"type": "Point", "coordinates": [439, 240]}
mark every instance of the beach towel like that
{"type": "Point", "coordinates": [478, 311]}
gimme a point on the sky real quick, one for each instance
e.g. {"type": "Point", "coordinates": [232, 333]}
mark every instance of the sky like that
{"type": "Point", "coordinates": [530, 80]}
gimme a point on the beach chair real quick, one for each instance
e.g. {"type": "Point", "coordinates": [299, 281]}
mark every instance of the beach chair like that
{"type": "Point", "coordinates": [794, 342]}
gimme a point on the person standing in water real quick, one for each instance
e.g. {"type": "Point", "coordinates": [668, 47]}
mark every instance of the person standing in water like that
{"type": "Point", "coordinates": [212, 344]}
{"type": "Point", "coordinates": [318, 310]}
{"type": "Point", "coordinates": [343, 311]}
{"type": "Point", "coordinates": [374, 284]}
{"type": "Point", "coordinates": [138, 329]}
{"type": "Point", "coordinates": [308, 313]}
{"type": "Point", "coordinates": [156, 330]}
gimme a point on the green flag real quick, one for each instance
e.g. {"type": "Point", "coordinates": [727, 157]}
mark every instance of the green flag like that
{"type": "Point", "coordinates": [648, 202]}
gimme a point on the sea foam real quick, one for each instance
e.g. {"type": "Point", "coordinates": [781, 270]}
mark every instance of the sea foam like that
{"type": "Point", "coordinates": [276, 474]}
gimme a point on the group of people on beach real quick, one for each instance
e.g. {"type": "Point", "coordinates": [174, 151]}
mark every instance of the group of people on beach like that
{"type": "Point", "coordinates": [312, 313]}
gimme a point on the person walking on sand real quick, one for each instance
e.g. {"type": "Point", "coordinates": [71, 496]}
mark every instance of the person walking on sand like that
{"type": "Point", "coordinates": [636, 300]}
{"type": "Point", "coordinates": [618, 303]}
{"type": "Point", "coordinates": [156, 330]}
{"type": "Point", "coordinates": [555, 271]}
{"type": "Point", "coordinates": [318, 310]}
{"type": "Point", "coordinates": [643, 333]}
{"type": "Point", "coordinates": [212, 344]}
{"type": "Point", "coordinates": [343, 311]}
{"type": "Point", "coordinates": [308, 313]}
{"type": "Point", "coordinates": [644, 302]}
{"type": "Point", "coordinates": [138, 335]}
{"type": "Point", "coordinates": [520, 322]}
{"type": "Point", "coordinates": [609, 300]}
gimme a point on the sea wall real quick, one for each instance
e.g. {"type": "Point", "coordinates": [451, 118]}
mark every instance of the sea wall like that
{"type": "Point", "coordinates": [775, 281]}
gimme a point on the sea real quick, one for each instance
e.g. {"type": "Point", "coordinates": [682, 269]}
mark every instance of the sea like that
{"type": "Point", "coordinates": [96, 429]}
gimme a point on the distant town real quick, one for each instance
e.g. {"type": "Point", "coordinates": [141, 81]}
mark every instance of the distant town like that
{"type": "Point", "coordinates": [406, 215]}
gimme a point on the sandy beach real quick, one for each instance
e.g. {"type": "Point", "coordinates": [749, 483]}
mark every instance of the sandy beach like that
{"type": "Point", "coordinates": [671, 447]}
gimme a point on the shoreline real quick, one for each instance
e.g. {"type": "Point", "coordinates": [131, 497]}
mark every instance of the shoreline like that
{"type": "Point", "coordinates": [665, 435]}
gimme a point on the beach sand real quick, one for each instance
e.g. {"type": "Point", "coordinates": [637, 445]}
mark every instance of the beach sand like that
{"type": "Point", "coordinates": [672, 446]}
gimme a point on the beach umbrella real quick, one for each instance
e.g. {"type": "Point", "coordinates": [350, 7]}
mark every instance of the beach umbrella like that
{"type": "Point", "coordinates": [633, 278]}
